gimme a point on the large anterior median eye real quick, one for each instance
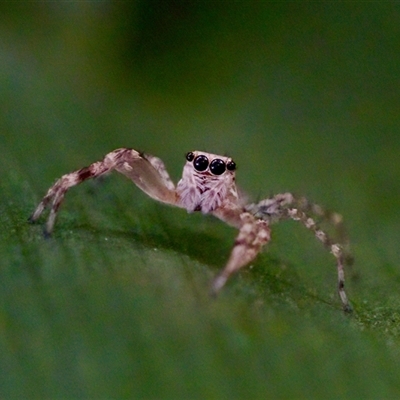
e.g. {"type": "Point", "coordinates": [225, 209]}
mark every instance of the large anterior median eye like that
{"type": "Point", "coordinates": [217, 167]}
{"type": "Point", "coordinates": [200, 163]}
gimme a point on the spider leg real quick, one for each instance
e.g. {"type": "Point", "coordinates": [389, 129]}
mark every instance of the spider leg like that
{"type": "Point", "coordinates": [286, 205]}
{"type": "Point", "coordinates": [253, 234]}
{"type": "Point", "coordinates": [147, 172]}
{"type": "Point", "coordinates": [272, 209]}
{"type": "Point", "coordinates": [332, 217]}
{"type": "Point", "coordinates": [335, 249]}
{"type": "Point", "coordinates": [335, 220]}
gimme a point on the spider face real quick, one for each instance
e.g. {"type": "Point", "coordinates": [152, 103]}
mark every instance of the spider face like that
{"type": "Point", "coordinates": [207, 180]}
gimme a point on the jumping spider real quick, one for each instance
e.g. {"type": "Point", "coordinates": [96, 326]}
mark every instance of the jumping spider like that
{"type": "Point", "coordinates": [207, 185]}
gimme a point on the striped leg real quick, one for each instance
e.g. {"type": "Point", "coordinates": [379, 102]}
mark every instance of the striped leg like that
{"type": "Point", "coordinates": [253, 235]}
{"type": "Point", "coordinates": [272, 209]}
{"type": "Point", "coordinates": [286, 205]}
{"type": "Point", "coordinates": [56, 193]}
{"type": "Point", "coordinates": [146, 171]}
{"type": "Point", "coordinates": [335, 249]}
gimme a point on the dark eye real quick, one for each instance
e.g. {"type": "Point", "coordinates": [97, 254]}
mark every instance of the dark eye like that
{"type": "Point", "coordinates": [231, 165]}
{"type": "Point", "coordinates": [200, 163]}
{"type": "Point", "coordinates": [189, 156]}
{"type": "Point", "coordinates": [217, 167]}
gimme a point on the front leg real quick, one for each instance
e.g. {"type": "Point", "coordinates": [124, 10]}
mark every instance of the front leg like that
{"type": "Point", "coordinates": [147, 172]}
{"type": "Point", "coordinates": [253, 234]}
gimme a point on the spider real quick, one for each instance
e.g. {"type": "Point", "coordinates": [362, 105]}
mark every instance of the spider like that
{"type": "Point", "coordinates": [207, 185]}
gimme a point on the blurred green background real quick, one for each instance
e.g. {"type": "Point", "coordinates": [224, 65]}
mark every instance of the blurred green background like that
{"type": "Point", "coordinates": [304, 96]}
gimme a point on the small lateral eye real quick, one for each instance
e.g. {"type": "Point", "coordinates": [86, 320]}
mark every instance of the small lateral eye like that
{"type": "Point", "coordinates": [190, 156]}
{"type": "Point", "coordinates": [200, 163]}
{"type": "Point", "coordinates": [231, 165]}
{"type": "Point", "coordinates": [217, 167]}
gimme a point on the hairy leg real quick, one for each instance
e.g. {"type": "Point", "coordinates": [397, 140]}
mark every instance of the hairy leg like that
{"type": "Point", "coordinates": [146, 171]}
{"type": "Point", "coordinates": [253, 234]}
{"type": "Point", "coordinates": [273, 209]}
{"type": "Point", "coordinates": [285, 205]}
{"type": "Point", "coordinates": [335, 249]}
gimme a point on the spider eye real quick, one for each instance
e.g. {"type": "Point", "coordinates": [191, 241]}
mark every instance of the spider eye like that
{"type": "Point", "coordinates": [217, 167]}
{"type": "Point", "coordinates": [200, 163]}
{"type": "Point", "coordinates": [231, 165]}
{"type": "Point", "coordinates": [189, 156]}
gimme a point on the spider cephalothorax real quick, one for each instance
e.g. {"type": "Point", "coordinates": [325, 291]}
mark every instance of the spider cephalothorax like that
{"type": "Point", "coordinates": [207, 185]}
{"type": "Point", "coordinates": [207, 181]}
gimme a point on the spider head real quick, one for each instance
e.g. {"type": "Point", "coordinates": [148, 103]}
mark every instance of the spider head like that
{"type": "Point", "coordinates": [207, 180]}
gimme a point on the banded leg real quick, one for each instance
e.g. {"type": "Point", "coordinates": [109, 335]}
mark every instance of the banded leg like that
{"type": "Point", "coordinates": [336, 221]}
{"type": "Point", "coordinates": [272, 209]}
{"type": "Point", "coordinates": [146, 171]}
{"type": "Point", "coordinates": [335, 249]}
{"type": "Point", "coordinates": [55, 195]}
{"type": "Point", "coordinates": [286, 205]}
{"type": "Point", "coordinates": [253, 234]}
{"type": "Point", "coordinates": [332, 217]}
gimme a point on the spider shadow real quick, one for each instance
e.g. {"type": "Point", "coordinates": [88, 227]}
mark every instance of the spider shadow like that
{"type": "Point", "coordinates": [272, 278]}
{"type": "Point", "coordinates": [206, 248]}
{"type": "Point", "coordinates": [163, 231]}
{"type": "Point", "coordinates": [208, 242]}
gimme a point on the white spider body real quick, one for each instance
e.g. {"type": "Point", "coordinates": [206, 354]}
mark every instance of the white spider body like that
{"type": "Point", "coordinates": [207, 185]}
